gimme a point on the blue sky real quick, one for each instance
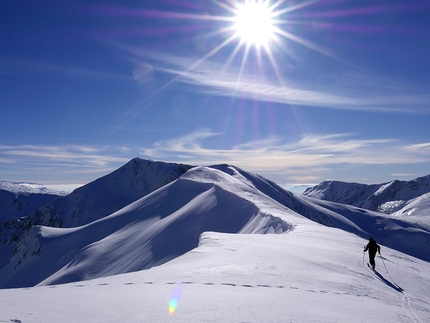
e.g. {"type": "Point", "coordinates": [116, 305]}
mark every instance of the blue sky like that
{"type": "Point", "coordinates": [337, 90]}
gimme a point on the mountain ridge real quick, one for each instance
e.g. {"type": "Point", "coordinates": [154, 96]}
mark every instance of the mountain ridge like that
{"type": "Point", "coordinates": [168, 220]}
{"type": "Point", "coordinates": [388, 198]}
{"type": "Point", "coordinates": [157, 231]}
{"type": "Point", "coordinates": [21, 204]}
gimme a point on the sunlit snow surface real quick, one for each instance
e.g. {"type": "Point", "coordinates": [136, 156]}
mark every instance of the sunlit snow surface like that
{"type": "Point", "coordinates": [310, 274]}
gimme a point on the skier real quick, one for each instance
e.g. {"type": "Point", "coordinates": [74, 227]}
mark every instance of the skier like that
{"type": "Point", "coordinates": [373, 247]}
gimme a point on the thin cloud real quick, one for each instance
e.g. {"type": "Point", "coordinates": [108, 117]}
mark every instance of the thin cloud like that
{"type": "Point", "coordinates": [310, 151]}
{"type": "Point", "coordinates": [404, 175]}
{"type": "Point", "coordinates": [60, 155]}
{"type": "Point", "coordinates": [423, 147]}
{"type": "Point", "coordinates": [7, 161]}
{"type": "Point", "coordinates": [278, 156]}
{"type": "Point", "coordinates": [63, 164]}
{"type": "Point", "coordinates": [356, 94]}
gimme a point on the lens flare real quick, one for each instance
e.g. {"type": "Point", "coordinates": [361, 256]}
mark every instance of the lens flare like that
{"type": "Point", "coordinates": [174, 300]}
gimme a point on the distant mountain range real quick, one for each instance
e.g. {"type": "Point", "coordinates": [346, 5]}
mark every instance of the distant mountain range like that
{"type": "Point", "coordinates": [395, 197]}
{"type": "Point", "coordinates": [147, 213]}
{"type": "Point", "coordinates": [20, 199]}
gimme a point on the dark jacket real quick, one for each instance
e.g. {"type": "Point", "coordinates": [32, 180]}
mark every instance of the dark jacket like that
{"type": "Point", "coordinates": [373, 247]}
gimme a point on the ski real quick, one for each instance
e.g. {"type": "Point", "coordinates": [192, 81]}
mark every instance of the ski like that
{"type": "Point", "coordinates": [370, 267]}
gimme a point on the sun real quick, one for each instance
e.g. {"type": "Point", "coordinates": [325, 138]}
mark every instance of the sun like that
{"type": "Point", "coordinates": [253, 29]}
{"type": "Point", "coordinates": [253, 23]}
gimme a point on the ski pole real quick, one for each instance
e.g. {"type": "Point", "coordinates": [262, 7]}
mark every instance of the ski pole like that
{"type": "Point", "coordinates": [383, 262]}
{"type": "Point", "coordinates": [363, 255]}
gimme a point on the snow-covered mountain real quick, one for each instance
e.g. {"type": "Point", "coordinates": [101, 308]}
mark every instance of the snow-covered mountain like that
{"type": "Point", "coordinates": [20, 199]}
{"type": "Point", "coordinates": [386, 198]}
{"type": "Point", "coordinates": [152, 230]}
{"type": "Point", "coordinates": [108, 194]}
{"type": "Point", "coordinates": [174, 255]}
{"type": "Point", "coordinates": [29, 188]}
{"type": "Point", "coordinates": [155, 226]}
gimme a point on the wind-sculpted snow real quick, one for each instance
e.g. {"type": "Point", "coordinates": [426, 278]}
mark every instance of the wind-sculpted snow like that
{"type": "Point", "coordinates": [387, 197]}
{"type": "Point", "coordinates": [148, 232]}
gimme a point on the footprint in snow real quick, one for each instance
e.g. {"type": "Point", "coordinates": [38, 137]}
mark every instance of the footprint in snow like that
{"type": "Point", "coordinates": [228, 284]}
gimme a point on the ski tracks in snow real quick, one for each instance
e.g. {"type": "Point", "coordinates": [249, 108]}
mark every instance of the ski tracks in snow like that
{"type": "Point", "coordinates": [404, 298]}
{"type": "Point", "coordinates": [406, 305]}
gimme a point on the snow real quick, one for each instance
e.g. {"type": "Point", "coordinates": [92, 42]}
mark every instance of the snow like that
{"type": "Point", "coordinates": [18, 199]}
{"type": "Point", "coordinates": [310, 274]}
{"type": "Point", "coordinates": [391, 206]}
{"type": "Point", "coordinates": [33, 188]}
{"type": "Point", "coordinates": [297, 188]}
{"type": "Point", "coordinates": [109, 193]}
{"type": "Point", "coordinates": [386, 198]}
{"type": "Point", "coordinates": [383, 187]}
{"type": "Point", "coordinates": [154, 229]}
{"type": "Point", "coordinates": [217, 244]}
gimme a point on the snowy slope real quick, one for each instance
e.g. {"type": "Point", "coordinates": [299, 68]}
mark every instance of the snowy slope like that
{"type": "Point", "coordinates": [387, 197]}
{"type": "Point", "coordinates": [408, 235]}
{"type": "Point", "coordinates": [168, 222]}
{"type": "Point", "coordinates": [416, 210]}
{"type": "Point", "coordinates": [150, 231]}
{"type": "Point", "coordinates": [95, 200]}
{"type": "Point", "coordinates": [20, 199]}
{"type": "Point", "coordinates": [158, 259]}
{"type": "Point", "coordinates": [109, 193]}
{"type": "Point", "coordinates": [20, 204]}
{"type": "Point", "coordinates": [86, 204]}
{"type": "Point", "coordinates": [309, 274]}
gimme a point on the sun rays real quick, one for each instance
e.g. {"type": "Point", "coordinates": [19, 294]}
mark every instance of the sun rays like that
{"type": "Point", "coordinates": [246, 28]}
{"type": "Point", "coordinates": [244, 35]}
{"type": "Point", "coordinates": [255, 27]}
